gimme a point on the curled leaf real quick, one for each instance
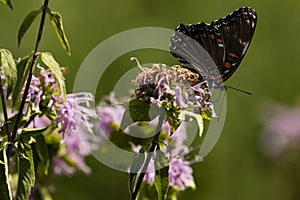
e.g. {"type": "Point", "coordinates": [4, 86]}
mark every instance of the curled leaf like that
{"type": "Point", "coordinates": [56, 20]}
{"type": "Point", "coordinates": [198, 118]}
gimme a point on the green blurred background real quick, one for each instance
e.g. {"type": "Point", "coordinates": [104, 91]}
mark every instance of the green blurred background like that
{"type": "Point", "coordinates": [235, 169]}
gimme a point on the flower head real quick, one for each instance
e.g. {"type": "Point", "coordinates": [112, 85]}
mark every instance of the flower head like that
{"type": "Point", "coordinates": [181, 174]}
{"type": "Point", "coordinates": [76, 112]}
{"type": "Point", "coordinates": [180, 170]}
{"type": "Point", "coordinates": [75, 153]}
{"type": "Point", "coordinates": [43, 92]}
{"type": "Point", "coordinates": [176, 86]}
{"type": "Point", "coordinates": [75, 121]}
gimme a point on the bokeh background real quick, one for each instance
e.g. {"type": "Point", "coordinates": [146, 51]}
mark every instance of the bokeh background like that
{"type": "Point", "coordinates": [236, 168]}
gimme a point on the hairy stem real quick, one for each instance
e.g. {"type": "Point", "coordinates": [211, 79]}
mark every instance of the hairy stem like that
{"type": "Point", "coordinates": [27, 86]}
{"type": "Point", "coordinates": [154, 144]}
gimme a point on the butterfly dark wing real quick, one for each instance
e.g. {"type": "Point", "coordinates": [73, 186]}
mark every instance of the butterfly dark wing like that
{"type": "Point", "coordinates": [194, 51]}
{"type": "Point", "coordinates": [225, 41]}
{"type": "Point", "coordinates": [237, 30]}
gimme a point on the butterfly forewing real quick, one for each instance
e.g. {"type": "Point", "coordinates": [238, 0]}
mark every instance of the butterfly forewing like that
{"type": "Point", "coordinates": [225, 41]}
{"type": "Point", "coordinates": [188, 48]}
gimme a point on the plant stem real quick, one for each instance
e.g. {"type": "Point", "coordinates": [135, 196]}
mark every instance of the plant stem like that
{"type": "Point", "coordinates": [149, 155]}
{"type": "Point", "coordinates": [4, 108]}
{"type": "Point", "coordinates": [27, 86]}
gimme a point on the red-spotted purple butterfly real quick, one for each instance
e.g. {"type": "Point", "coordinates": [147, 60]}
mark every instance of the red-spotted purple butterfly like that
{"type": "Point", "coordinates": [215, 50]}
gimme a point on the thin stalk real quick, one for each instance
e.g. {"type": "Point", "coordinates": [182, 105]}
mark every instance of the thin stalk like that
{"type": "Point", "coordinates": [4, 108]}
{"type": "Point", "coordinates": [149, 155]}
{"type": "Point", "coordinates": [27, 86]}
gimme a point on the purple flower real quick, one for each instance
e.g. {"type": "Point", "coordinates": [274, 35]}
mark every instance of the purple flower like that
{"type": "Point", "coordinates": [61, 167]}
{"type": "Point", "coordinates": [47, 77]}
{"type": "Point", "coordinates": [75, 153]}
{"type": "Point", "coordinates": [75, 117]}
{"type": "Point", "coordinates": [175, 86]}
{"type": "Point", "coordinates": [43, 92]}
{"type": "Point", "coordinates": [281, 133]}
{"type": "Point", "coordinates": [181, 174]}
{"type": "Point", "coordinates": [40, 122]}
{"type": "Point", "coordinates": [150, 174]}
{"type": "Point", "coordinates": [76, 112]}
{"type": "Point", "coordinates": [179, 98]}
{"type": "Point", "coordinates": [180, 171]}
{"type": "Point", "coordinates": [110, 115]}
{"type": "Point", "coordinates": [34, 92]}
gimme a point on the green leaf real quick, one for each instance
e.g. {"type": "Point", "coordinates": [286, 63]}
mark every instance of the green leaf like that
{"type": "Point", "coordinates": [147, 192]}
{"type": "Point", "coordinates": [42, 150]}
{"type": "Point", "coordinates": [8, 3]}
{"type": "Point", "coordinates": [22, 73]}
{"type": "Point", "coordinates": [161, 179]}
{"type": "Point", "coordinates": [48, 59]}
{"type": "Point", "coordinates": [139, 110]}
{"type": "Point", "coordinates": [172, 116]}
{"type": "Point", "coordinates": [27, 23]}
{"type": "Point", "coordinates": [5, 189]}
{"type": "Point", "coordinates": [9, 68]}
{"type": "Point", "coordinates": [126, 120]}
{"type": "Point", "coordinates": [32, 132]}
{"type": "Point", "coordinates": [136, 165]}
{"type": "Point", "coordinates": [56, 20]}
{"type": "Point", "coordinates": [198, 118]}
{"type": "Point", "coordinates": [26, 172]}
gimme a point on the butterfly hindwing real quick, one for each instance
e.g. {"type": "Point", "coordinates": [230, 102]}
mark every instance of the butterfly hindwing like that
{"type": "Point", "coordinates": [237, 30]}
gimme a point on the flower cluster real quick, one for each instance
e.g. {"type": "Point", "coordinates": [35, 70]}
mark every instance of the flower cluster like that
{"type": "Point", "coordinates": [46, 107]}
{"type": "Point", "coordinates": [75, 121]}
{"type": "Point", "coordinates": [43, 93]}
{"type": "Point", "coordinates": [175, 86]}
{"type": "Point", "coordinates": [180, 170]}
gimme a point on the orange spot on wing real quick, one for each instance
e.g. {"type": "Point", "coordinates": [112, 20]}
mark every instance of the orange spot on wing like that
{"type": "Point", "coordinates": [233, 55]}
{"type": "Point", "coordinates": [227, 65]}
{"type": "Point", "coordinates": [226, 28]}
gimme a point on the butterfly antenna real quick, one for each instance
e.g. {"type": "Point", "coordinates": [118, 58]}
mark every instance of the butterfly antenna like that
{"type": "Point", "coordinates": [243, 91]}
{"type": "Point", "coordinates": [137, 62]}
